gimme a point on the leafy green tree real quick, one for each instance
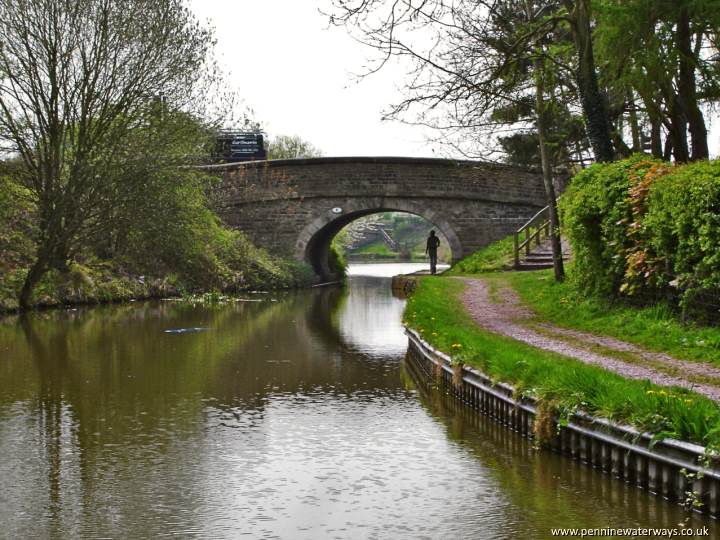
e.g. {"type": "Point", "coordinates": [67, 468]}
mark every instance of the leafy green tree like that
{"type": "Point", "coordinates": [665, 53]}
{"type": "Point", "coordinates": [291, 147]}
{"type": "Point", "coordinates": [79, 79]}
{"type": "Point", "coordinates": [579, 17]}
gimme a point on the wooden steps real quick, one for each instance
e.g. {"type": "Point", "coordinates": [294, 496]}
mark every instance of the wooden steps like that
{"type": "Point", "coordinates": [540, 257]}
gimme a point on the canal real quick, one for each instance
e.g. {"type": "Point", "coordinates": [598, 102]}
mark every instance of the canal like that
{"type": "Point", "coordinates": [285, 415]}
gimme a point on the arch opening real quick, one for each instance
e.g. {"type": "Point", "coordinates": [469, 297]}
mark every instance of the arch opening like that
{"type": "Point", "coordinates": [314, 242]}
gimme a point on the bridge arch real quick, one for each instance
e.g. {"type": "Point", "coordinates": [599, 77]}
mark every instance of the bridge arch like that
{"type": "Point", "coordinates": [313, 243]}
{"type": "Point", "coordinates": [295, 207]}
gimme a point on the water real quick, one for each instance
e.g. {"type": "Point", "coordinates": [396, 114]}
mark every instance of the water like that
{"type": "Point", "coordinates": [288, 415]}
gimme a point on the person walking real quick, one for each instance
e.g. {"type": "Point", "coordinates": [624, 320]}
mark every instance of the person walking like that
{"type": "Point", "coordinates": [431, 249]}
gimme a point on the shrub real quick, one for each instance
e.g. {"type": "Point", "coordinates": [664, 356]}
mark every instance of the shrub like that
{"type": "Point", "coordinates": [683, 225]}
{"type": "Point", "coordinates": [647, 229]}
{"type": "Point", "coordinates": [596, 214]}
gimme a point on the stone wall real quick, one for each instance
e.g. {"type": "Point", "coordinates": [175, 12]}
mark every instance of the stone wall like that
{"type": "Point", "coordinates": [295, 207]}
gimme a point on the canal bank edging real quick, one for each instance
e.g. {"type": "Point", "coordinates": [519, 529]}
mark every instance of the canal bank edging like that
{"type": "Point", "coordinates": [669, 468]}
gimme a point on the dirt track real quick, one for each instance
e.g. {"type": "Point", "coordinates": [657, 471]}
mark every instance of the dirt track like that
{"type": "Point", "coordinates": [510, 318]}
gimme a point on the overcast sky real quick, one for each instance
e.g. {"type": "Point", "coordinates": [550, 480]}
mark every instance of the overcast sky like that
{"type": "Point", "coordinates": [297, 76]}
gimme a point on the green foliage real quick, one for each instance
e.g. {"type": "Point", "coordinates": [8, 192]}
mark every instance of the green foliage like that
{"type": "Point", "coordinates": [596, 214]}
{"type": "Point", "coordinates": [496, 257]}
{"type": "Point", "coordinates": [656, 327]}
{"type": "Point", "coordinates": [336, 260]}
{"type": "Point", "coordinates": [642, 228]}
{"type": "Point", "coordinates": [291, 147]}
{"type": "Point", "coordinates": [376, 250]}
{"type": "Point", "coordinates": [568, 384]}
{"type": "Point", "coordinates": [683, 229]}
{"type": "Point", "coordinates": [166, 244]}
{"type": "Point", "coordinates": [521, 149]}
{"type": "Point", "coordinates": [17, 222]}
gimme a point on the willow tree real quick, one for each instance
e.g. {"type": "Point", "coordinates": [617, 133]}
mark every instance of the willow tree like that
{"type": "Point", "coordinates": [77, 79]}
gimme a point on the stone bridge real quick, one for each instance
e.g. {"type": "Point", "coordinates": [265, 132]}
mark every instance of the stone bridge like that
{"type": "Point", "coordinates": [295, 207]}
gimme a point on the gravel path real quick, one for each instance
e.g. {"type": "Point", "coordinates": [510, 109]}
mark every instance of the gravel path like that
{"type": "Point", "coordinates": [509, 317]}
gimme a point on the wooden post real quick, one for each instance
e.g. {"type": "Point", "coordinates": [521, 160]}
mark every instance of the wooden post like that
{"type": "Point", "coordinates": [527, 241]}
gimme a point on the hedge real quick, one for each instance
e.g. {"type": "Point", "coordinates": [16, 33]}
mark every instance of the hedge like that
{"type": "Point", "coordinates": [641, 228]}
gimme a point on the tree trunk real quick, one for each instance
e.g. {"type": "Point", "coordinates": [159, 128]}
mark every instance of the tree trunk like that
{"type": "Point", "coordinates": [656, 137]}
{"type": "Point", "coordinates": [677, 130]}
{"type": "Point", "coordinates": [541, 113]}
{"type": "Point", "coordinates": [667, 149]}
{"type": "Point", "coordinates": [36, 272]}
{"type": "Point", "coordinates": [592, 99]}
{"type": "Point", "coordinates": [687, 89]}
{"type": "Point", "coordinates": [633, 120]}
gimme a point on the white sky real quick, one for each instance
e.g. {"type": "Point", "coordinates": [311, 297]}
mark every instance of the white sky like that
{"type": "Point", "coordinates": [296, 74]}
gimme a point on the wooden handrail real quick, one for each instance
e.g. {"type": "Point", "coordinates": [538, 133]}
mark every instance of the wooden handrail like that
{"type": "Point", "coordinates": [543, 226]}
{"type": "Point", "coordinates": [529, 223]}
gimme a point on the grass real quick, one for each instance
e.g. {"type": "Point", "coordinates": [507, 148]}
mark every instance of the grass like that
{"type": "Point", "coordinates": [566, 384]}
{"type": "Point", "coordinates": [655, 327]}
{"type": "Point", "coordinates": [377, 249]}
{"type": "Point", "coordinates": [496, 257]}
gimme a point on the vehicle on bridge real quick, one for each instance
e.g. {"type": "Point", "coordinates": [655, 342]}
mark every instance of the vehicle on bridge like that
{"type": "Point", "coordinates": [234, 146]}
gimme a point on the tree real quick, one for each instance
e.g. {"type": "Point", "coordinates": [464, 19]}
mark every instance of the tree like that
{"type": "Point", "coordinates": [579, 17]}
{"type": "Point", "coordinates": [291, 147]}
{"type": "Point", "coordinates": [483, 68]}
{"type": "Point", "coordinates": [666, 53]}
{"type": "Point", "coordinates": [78, 79]}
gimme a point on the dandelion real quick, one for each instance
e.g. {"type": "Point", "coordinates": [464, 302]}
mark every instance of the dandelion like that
{"type": "Point", "coordinates": [456, 346]}
{"type": "Point", "coordinates": [434, 333]}
{"type": "Point", "coordinates": [650, 392]}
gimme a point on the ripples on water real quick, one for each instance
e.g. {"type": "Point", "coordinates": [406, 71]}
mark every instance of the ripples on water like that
{"type": "Point", "coordinates": [288, 418]}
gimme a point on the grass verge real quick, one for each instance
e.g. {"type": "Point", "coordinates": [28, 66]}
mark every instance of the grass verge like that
{"type": "Point", "coordinates": [565, 384]}
{"type": "Point", "coordinates": [496, 257]}
{"type": "Point", "coordinates": [655, 327]}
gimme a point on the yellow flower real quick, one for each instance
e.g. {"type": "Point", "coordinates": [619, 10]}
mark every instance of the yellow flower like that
{"type": "Point", "coordinates": [650, 392]}
{"type": "Point", "coordinates": [434, 333]}
{"type": "Point", "coordinates": [456, 346]}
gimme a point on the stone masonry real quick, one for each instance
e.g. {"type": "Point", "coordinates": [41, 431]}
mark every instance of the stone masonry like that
{"type": "Point", "coordinates": [295, 207]}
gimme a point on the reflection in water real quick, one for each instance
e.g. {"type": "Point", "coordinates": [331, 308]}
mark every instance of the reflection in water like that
{"type": "Point", "coordinates": [291, 417]}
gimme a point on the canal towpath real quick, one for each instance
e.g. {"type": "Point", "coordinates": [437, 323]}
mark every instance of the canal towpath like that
{"type": "Point", "coordinates": [501, 311]}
